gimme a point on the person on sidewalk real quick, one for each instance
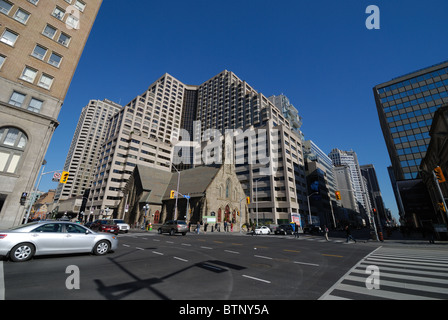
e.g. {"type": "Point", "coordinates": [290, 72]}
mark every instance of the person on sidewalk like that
{"type": "Point", "coordinates": [349, 234]}
{"type": "Point", "coordinates": [326, 233]}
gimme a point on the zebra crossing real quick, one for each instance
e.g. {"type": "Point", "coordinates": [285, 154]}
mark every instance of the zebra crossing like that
{"type": "Point", "coordinates": [394, 273]}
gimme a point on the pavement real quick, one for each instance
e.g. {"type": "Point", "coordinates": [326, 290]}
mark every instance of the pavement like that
{"type": "Point", "coordinates": [363, 236]}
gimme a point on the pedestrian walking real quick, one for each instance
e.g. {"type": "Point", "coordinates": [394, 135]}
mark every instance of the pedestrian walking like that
{"type": "Point", "coordinates": [349, 234]}
{"type": "Point", "coordinates": [205, 227]}
{"type": "Point", "coordinates": [296, 231]}
{"type": "Point", "coordinates": [198, 227]}
{"type": "Point", "coordinates": [326, 233]}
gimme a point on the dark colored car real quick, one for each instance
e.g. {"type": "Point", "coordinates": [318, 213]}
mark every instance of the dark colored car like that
{"type": "Point", "coordinates": [105, 225]}
{"type": "Point", "coordinates": [284, 229]}
{"type": "Point", "coordinates": [174, 226]}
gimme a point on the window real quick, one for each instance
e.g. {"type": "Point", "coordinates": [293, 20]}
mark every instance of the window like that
{"type": "Point", "coordinates": [17, 99]}
{"type": "Point", "coordinates": [39, 52]}
{"type": "Point", "coordinates": [45, 81]}
{"type": "Point", "coordinates": [50, 227]}
{"type": "Point", "coordinates": [35, 105]}
{"type": "Point", "coordinates": [73, 22]}
{"type": "Point", "coordinates": [80, 5]}
{"type": "Point", "coordinates": [22, 16]}
{"type": "Point", "coordinates": [58, 13]}
{"type": "Point", "coordinates": [2, 60]}
{"type": "Point", "coordinates": [55, 60]}
{"type": "Point", "coordinates": [34, 2]}
{"type": "Point", "coordinates": [28, 74]}
{"type": "Point", "coordinates": [12, 145]}
{"type": "Point", "coordinates": [9, 37]}
{"type": "Point", "coordinates": [49, 31]}
{"type": "Point", "coordinates": [64, 39]}
{"type": "Point", "coordinates": [5, 6]}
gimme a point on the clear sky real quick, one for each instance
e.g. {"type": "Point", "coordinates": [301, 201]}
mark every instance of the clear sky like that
{"type": "Point", "coordinates": [318, 53]}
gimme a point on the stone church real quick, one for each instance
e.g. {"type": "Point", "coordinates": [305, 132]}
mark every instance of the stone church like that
{"type": "Point", "coordinates": [210, 195]}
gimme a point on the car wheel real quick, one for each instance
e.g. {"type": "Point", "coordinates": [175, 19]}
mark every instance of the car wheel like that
{"type": "Point", "coordinates": [172, 232]}
{"type": "Point", "coordinates": [159, 231]}
{"type": "Point", "coordinates": [101, 248]}
{"type": "Point", "coordinates": [22, 252]}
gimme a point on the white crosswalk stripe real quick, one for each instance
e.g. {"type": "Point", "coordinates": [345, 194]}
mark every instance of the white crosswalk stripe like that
{"type": "Point", "coordinates": [403, 274]}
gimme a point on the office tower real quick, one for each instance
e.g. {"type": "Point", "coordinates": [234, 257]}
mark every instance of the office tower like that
{"type": "Point", "coordinates": [406, 107]}
{"type": "Point", "coordinates": [374, 191]}
{"type": "Point", "coordinates": [85, 148]}
{"type": "Point", "coordinates": [350, 159]}
{"type": "Point", "coordinates": [40, 46]}
{"type": "Point", "coordinates": [139, 134]}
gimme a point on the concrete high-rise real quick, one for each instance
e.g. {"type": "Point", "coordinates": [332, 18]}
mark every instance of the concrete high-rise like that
{"type": "Point", "coordinates": [406, 107]}
{"type": "Point", "coordinates": [41, 43]}
{"type": "Point", "coordinates": [84, 151]}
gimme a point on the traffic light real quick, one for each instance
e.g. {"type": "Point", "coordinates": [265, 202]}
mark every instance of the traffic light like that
{"type": "Point", "coordinates": [248, 200]}
{"type": "Point", "coordinates": [338, 195]}
{"type": "Point", "coordinates": [442, 207]}
{"type": "Point", "coordinates": [23, 198]}
{"type": "Point", "coordinates": [64, 177]}
{"type": "Point", "coordinates": [439, 174]}
{"type": "Point", "coordinates": [172, 193]}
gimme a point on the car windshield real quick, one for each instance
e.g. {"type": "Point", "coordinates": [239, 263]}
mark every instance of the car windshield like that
{"type": "Point", "coordinates": [119, 221]}
{"type": "Point", "coordinates": [181, 222]}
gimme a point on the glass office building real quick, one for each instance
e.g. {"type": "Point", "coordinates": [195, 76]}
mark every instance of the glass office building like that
{"type": "Point", "coordinates": [406, 106]}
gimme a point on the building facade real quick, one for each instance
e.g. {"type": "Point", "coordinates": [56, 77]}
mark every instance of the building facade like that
{"type": "Point", "coordinates": [84, 151]}
{"type": "Point", "coordinates": [406, 107]}
{"type": "Point", "coordinates": [41, 43]}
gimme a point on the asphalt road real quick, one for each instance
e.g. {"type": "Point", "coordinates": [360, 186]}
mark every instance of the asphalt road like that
{"type": "Point", "coordinates": [148, 266]}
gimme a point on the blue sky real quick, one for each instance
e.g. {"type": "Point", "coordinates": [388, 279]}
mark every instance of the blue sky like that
{"type": "Point", "coordinates": [318, 53]}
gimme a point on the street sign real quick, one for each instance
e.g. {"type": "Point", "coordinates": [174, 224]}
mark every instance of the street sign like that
{"type": "Point", "coordinates": [187, 197]}
{"type": "Point", "coordinates": [57, 177]}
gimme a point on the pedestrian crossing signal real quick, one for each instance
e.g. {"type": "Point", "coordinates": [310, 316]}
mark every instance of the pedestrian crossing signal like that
{"type": "Point", "coordinates": [64, 177]}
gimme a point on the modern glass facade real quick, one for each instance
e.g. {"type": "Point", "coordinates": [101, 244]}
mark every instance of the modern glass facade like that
{"type": "Point", "coordinates": [406, 107]}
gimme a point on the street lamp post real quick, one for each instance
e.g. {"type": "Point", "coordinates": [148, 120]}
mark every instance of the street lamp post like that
{"type": "Point", "coordinates": [177, 191]}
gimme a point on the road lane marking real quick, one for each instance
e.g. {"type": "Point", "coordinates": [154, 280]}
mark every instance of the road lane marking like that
{"type": "Point", "coordinates": [263, 257]}
{"type": "Point", "coordinates": [159, 253]}
{"type": "Point", "coordinates": [296, 251]}
{"type": "Point", "coordinates": [207, 248]}
{"type": "Point", "coordinates": [139, 248]}
{"type": "Point", "coordinates": [332, 255]}
{"type": "Point", "coordinates": [177, 258]}
{"type": "Point", "coordinates": [257, 279]}
{"type": "Point", "coordinates": [230, 251]}
{"type": "Point", "coordinates": [126, 245]}
{"type": "Point", "coordinates": [185, 244]}
{"type": "Point", "coordinates": [306, 263]}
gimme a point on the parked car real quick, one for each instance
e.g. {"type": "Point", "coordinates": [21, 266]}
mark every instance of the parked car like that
{"type": "Point", "coordinates": [105, 225]}
{"type": "Point", "coordinates": [312, 229]}
{"type": "Point", "coordinates": [124, 227]}
{"type": "Point", "coordinates": [284, 229]}
{"type": "Point", "coordinates": [174, 226]}
{"type": "Point", "coordinates": [262, 230]}
{"type": "Point", "coordinates": [53, 237]}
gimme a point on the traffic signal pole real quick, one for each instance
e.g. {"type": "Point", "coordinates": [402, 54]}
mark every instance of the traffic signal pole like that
{"type": "Point", "coordinates": [436, 181]}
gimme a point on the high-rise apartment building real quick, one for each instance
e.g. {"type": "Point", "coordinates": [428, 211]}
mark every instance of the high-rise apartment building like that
{"type": "Point", "coordinates": [139, 134]}
{"type": "Point", "coordinates": [350, 159]}
{"type": "Point", "coordinates": [40, 45]}
{"type": "Point", "coordinates": [84, 151]}
{"type": "Point", "coordinates": [289, 112]}
{"type": "Point", "coordinates": [152, 131]}
{"type": "Point", "coordinates": [406, 107]}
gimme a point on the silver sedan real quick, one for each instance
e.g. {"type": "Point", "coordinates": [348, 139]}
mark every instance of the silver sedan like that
{"type": "Point", "coordinates": [53, 237]}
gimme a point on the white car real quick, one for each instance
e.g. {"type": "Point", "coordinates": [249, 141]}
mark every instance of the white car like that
{"type": "Point", "coordinates": [262, 230]}
{"type": "Point", "coordinates": [53, 237]}
{"type": "Point", "coordinates": [124, 227]}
